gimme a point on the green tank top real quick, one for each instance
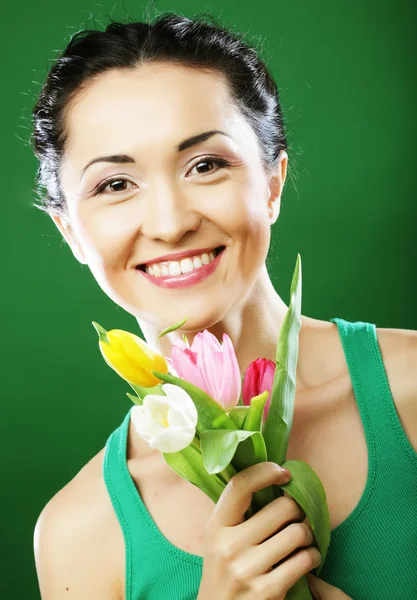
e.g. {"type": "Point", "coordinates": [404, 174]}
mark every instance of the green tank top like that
{"type": "Point", "coordinates": [372, 553]}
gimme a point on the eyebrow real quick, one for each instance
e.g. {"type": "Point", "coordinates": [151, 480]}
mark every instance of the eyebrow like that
{"type": "Point", "coordinates": [184, 145]}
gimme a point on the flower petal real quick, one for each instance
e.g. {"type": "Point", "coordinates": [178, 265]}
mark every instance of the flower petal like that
{"type": "Point", "coordinates": [230, 377]}
{"type": "Point", "coordinates": [182, 400]}
{"type": "Point", "coordinates": [205, 339]}
{"type": "Point", "coordinates": [210, 364]}
{"type": "Point", "coordinates": [173, 439]}
{"type": "Point", "coordinates": [185, 363]}
{"type": "Point", "coordinates": [167, 423]}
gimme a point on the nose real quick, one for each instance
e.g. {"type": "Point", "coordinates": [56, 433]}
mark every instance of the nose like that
{"type": "Point", "coordinates": [169, 215]}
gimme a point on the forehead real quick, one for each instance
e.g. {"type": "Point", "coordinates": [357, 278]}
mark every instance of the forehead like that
{"type": "Point", "coordinates": [150, 102]}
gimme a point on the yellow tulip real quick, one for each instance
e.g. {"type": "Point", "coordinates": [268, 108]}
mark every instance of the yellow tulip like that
{"type": "Point", "coordinates": [130, 356]}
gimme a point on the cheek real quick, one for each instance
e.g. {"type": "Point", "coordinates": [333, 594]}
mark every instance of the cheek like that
{"type": "Point", "coordinates": [106, 234]}
{"type": "Point", "coordinates": [100, 243]}
{"type": "Point", "coordinates": [247, 214]}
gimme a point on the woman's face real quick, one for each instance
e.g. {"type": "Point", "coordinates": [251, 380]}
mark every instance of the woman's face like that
{"type": "Point", "coordinates": [168, 197]}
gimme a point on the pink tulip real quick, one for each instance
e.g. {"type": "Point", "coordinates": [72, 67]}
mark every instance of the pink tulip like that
{"type": "Point", "coordinates": [259, 377]}
{"type": "Point", "coordinates": [211, 366]}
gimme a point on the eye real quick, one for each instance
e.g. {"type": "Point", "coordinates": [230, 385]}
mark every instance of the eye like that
{"type": "Point", "coordinates": [215, 160]}
{"type": "Point", "coordinates": [119, 180]}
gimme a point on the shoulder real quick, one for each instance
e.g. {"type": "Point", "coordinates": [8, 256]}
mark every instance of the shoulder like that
{"type": "Point", "coordinates": [77, 541]}
{"type": "Point", "coordinates": [398, 349]}
{"type": "Point", "coordinates": [399, 354]}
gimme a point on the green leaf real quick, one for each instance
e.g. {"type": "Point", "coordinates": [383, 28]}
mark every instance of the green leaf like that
{"type": "Point", "coordinates": [210, 414]}
{"type": "Point", "coordinates": [253, 420]}
{"type": "Point", "coordinates": [240, 448]}
{"type": "Point", "coordinates": [240, 401]}
{"type": "Point", "coordinates": [299, 591]}
{"type": "Point", "coordinates": [145, 391]}
{"type": "Point", "coordinates": [306, 489]}
{"type": "Point", "coordinates": [238, 414]}
{"type": "Point", "coordinates": [102, 333]}
{"type": "Point", "coordinates": [188, 464]}
{"type": "Point", "coordinates": [219, 446]}
{"type": "Point", "coordinates": [251, 452]}
{"type": "Point", "coordinates": [277, 427]}
{"type": "Point", "coordinates": [135, 399]}
{"type": "Point", "coordinates": [171, 328]}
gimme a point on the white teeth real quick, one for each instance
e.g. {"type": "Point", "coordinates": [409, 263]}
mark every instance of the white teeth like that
{"type": "Point", "coordinates": [187, 265]}
{"type": "Point", "coordinates": [177, 267]}
{"type": "Point", "coordinates": [174, 268]}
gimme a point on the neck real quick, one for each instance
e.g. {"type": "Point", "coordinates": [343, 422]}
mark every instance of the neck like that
{"type": "Point", "coordinates": [253, 326]}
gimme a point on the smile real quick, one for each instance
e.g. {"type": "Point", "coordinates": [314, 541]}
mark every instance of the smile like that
{"type": "Point", "coordinates": [177, 267]}
{"type": "Point", "coordinates": [182, 273]}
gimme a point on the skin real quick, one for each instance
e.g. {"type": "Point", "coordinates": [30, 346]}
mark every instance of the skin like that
{"type": "Point", "coordinates": [169, 205]}
{"type": "Point", "coordinates": [166, 209]}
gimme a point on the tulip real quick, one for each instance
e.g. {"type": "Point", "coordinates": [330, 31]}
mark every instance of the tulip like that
{"type": "Point", "coordinates": [167, 423]}
{"type": "Point", "coordinates": [130, 356]}
{"type": "Point", "coordinates": [259, 377]}
{"type": "Point", "coordinates": [211, 366]}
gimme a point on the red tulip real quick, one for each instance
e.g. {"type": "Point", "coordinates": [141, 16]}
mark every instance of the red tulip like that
{"type": "Point", "coordinates": [259, 377]}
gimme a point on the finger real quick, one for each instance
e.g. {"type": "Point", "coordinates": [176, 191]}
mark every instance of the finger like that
{"type": "Point", "coordinates": [280, 546]}
{"type": "Point", "coordinates": [271, 519]}
{"type": "Point", "coordinates": [324, 590]}
{"type": "Point", "coordinates": [285, 575]}
{"type": "Point", "coordinates": [237, 495]}
{"type": "Point", "coordinates": [314, 584]}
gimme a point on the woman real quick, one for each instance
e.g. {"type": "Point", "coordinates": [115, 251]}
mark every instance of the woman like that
{"type": "Point", "coordinates": [123, 126]}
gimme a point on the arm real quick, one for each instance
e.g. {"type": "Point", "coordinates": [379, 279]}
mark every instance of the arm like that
{"type": "Point", "coordinates": [69, 562]}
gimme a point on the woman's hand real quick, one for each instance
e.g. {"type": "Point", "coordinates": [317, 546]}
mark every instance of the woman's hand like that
{"type": "Point", "coordinates": [324, 591]}
{"type": "Point", "coordinates": [262, 557]}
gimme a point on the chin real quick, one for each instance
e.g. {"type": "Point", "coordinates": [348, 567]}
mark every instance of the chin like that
{"type": "Point", "coordinates": [196, 320]}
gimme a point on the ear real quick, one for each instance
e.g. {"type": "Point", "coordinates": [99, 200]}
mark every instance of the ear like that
{"type": "Point", "coordinates": [68, 234]}
{"type": "Point", "coordinates": [276, 185]}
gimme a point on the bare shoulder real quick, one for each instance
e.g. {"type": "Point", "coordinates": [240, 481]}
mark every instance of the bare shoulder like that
{"type": "Point", "coordinates": [77, 541]}
{"type": "Point", "coordinates": [327, 365]}
{"type": "Point", "coordinates": [398, 350]}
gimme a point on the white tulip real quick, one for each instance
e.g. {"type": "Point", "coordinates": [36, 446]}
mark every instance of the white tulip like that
{"type": "Point", "coordinates": [167, 423]}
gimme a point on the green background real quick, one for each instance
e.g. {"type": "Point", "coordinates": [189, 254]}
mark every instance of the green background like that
{"type": "Point", "coordinates": [346, 72]}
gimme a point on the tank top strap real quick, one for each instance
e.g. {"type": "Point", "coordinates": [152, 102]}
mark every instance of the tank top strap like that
{"type": "Point", "coordinates": [118, 488]}
{"type": "Point", "coordinates": [382, 426]}
{"type": "Point", "coordinates": [154, 567]}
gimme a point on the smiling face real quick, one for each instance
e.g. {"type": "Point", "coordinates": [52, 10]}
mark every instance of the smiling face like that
{"type": "Point", "coordinates": [168, 196]}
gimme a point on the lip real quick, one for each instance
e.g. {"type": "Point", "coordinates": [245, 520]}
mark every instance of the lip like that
{"type": "Point", "coordinates": [185, 279]}
{"type": "Point", "coordinates": [179, 255]}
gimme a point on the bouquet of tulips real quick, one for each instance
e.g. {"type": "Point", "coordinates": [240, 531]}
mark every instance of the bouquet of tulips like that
{"type": "Point", "coordinates": [209, 423]}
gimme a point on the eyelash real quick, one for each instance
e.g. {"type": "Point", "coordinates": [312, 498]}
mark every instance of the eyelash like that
{"type": "Point", "coordinates": [220, 162]}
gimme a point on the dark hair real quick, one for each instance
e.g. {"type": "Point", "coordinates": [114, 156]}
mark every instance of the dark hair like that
{"type": "Point", "coordinates": [200, 42]}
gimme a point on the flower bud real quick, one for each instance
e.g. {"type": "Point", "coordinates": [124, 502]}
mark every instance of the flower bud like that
{"type": "Point", "coordinates": [130, 356]}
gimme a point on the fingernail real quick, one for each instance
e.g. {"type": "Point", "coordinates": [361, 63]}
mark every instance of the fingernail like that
{"type": "Point", "coordinates": [286, 473]}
